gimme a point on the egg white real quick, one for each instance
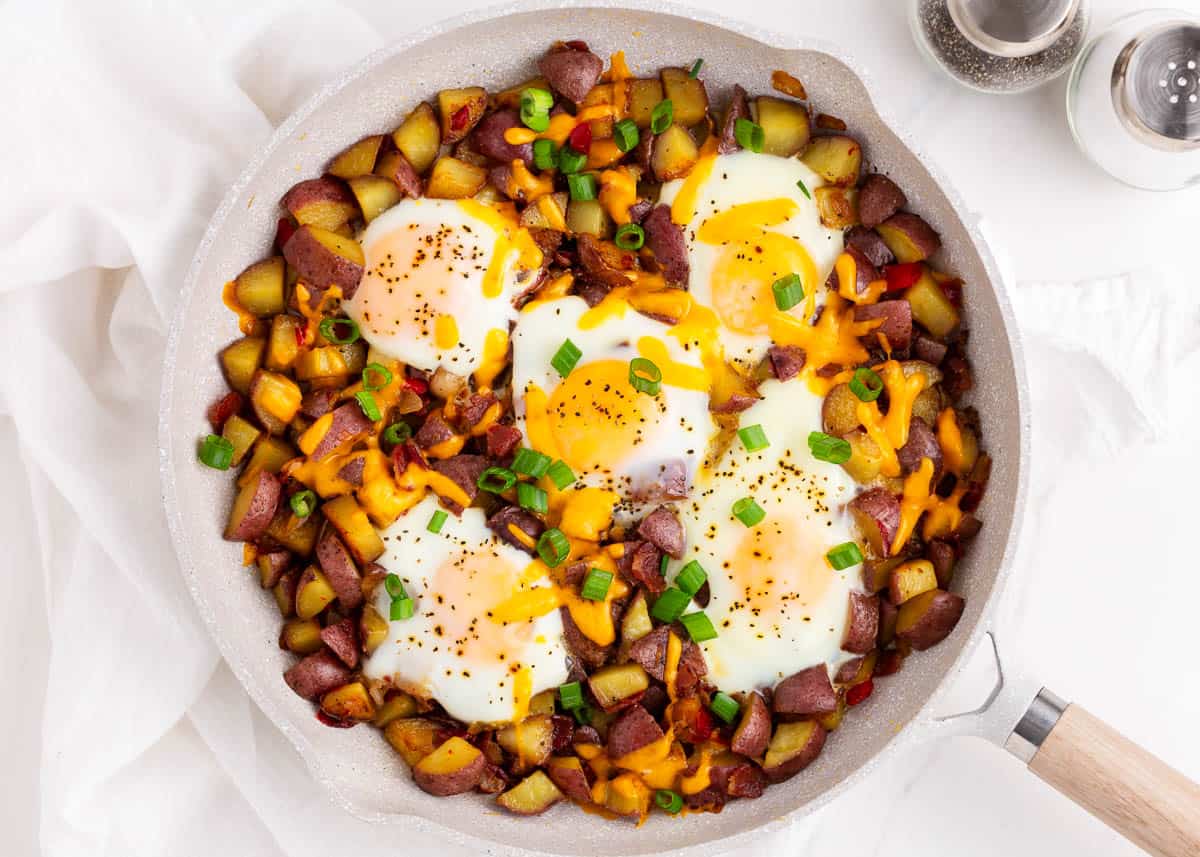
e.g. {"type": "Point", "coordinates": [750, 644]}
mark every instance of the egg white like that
{"type": "Point", "coordinates": [449, 650]}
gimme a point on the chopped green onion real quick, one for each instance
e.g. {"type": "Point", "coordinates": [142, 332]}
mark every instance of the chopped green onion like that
{"type": "Point", "coordinates": [691, 577]}
{"type": "Point", "coordinates": [788, 291]}
{"type": "Point", "coordinates": [570, 695]}
{"type": "Point", "coordinates": [366, 401]}
{"type": "Point", "coordinates": [216, 452]}
{"type": "Point", "coordinates": [545, 154]}
{"type": "Point", "coordinates": [662, 116]}
{"type": "Point", "coordinates": [695, 72]}
{"type": "Point", "coordinates": [539, 100]}
{"type": "Point", "coordinates": [630, 236]}
{"type": "Point", "coordinates": [533, 498]}
{"type": "Point", "coordinates": [384, 376]}
{"type": "Point", "coordinates": [530, 462]}
{"type": "Point", "coordinates": [844, 556]}
{"type": "Point", "coordinates": [397, 433]}
{"type": "Point", "coordinates": [553, 547]}
{"type": "Point", "coordinates": [724, 706]}
{"type": "Point", "coordinates": [662, 564]}
{"type": "Point", "coordinates": [749, 135]}
{"type": "Point", "coordinates": [329, 329]}
{"type": "Point", "coordinates": [699, 626]}
{"type": "Point", "coordinates": [825, 447]}
{"type": "Point", "coordinates": [595, 585]}
{"type": "Point", "coordinates": [645, 376]}
{"type": "Point", "coordinates": [668, 801]}
{"type": "Point", "coordinates": [866, 384]}
{"type": "Point", "coordinates": [496, 480]}
{"type": "Point", "coordinates": [753, 438]}
{"type": "Point", "coordinates": [582, 186]}
{"type": "Point", "coordinates": [803, 187]}
{"type": "Point", "coordinates": [560, 475]}
{"type": "Point", "coordinates": [670, 605]}
{"type": "Point", "coordinates": [566, 357]}
{"type": "Point", "coordinates": [534, 121]}
{"type": "Point", "coordinates": [748, 512]}
{"type": "Point", "coordinates": [583, 715]}
{"type": "Point", "coordinates": [626, 135]}
{"type": "Point", "coordinates": [402, 608]}
{"type": "Point", "coordinates": [303, 503]}
{"type": "Point", "coordinates": [394, 586]}
{"type": "Point", "coordinates": [436, 521]}
{"type": "Point", "coordinates": [570, 161]}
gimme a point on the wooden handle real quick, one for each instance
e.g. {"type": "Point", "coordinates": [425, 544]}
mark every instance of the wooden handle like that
{"type": "Point", "coordinates": [1132, 791]}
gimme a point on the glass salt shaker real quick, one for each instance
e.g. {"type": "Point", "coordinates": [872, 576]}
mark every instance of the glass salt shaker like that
{"type": "Point", "coordinates": [1000, 46]}
{"type": "Point", "coordinates": [1133, 100]}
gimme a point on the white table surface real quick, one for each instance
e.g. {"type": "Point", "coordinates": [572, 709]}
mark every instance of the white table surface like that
{"type": "Point", "coordinates": [1113, 620]}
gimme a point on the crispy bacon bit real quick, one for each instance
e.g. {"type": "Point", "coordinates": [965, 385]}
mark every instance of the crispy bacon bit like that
{"type": "Point", "coordinates": [900, 277]}
{"type": "Point", "coordinates": [859, 692]}
{"type": "Point", "coordinates": [830, 123]}
{"type": "Point", "coordinates": [283, 231]}
{"type": "Point", "coordinates": [783, 82]}
{"type": "Point", "coordinates": [223, 409]}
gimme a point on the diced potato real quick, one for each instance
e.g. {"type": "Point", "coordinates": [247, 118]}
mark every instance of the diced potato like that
{"type": "Point", "coordinates": [618, 684]}
{"type": "Point", "coordinates": [675, 153]}
{"type": "Point", "coordinates": [301, 636]}
{"type": "Point", "coordinates": [454, 767]}
{"type": "Point", "coordinates": [275, 399]}
{"type": "Point", "coordinates": [419, 137]}
{"type": "Point", "coordinates": [511, 98]}
{"type": "Point", "coordinates": [837, 206]}
{"type": "Point", "coordinates": [373, 629]}
{"type": "Point", "coordinates": [836, 158]}
{"type": "Point", "coordinates": [627, 795]}
{"type": "Point", "coordinates": [928, 405]}
{"type": "Point", "coordinates": [642, 96]}
{"type": "Point", "coordinates": [454, 179]}
{"type": "Point", "coordinates": [284, 592]}
{"type": "Point", "coordinates": [534, 217]}
{"type": "Point", "coordinates": [531, 743]}
{"type": "Point", "coordinates": [283, 346]}
{"type": "Point", "coordinates": [785, 125]}
{"type": "Point", "coordinates": [543, 703]}
{"type": "Point", "coordinates": [599, 94]}
{"type": "Point", "coordinates": [355, 528]}
{"type": "Point", "coordinates": [260, 289]}
{"type": "Point", "coordinates": [909, 237]}
{"type": "Point", "coordinates": [326, 258]}
{"type": "Point", "coordinates": [587, 216]}
{"type": "Point", "coordinates": [878, 572]}
{"type": "Point", "coordinates": [298, 535]}
{"type": "Point", "coordinates": [253, 509]}
{"type": "Point", "coordinates": [397, 705]}
{"type": "Point", "coordinates": [930, 306]}
{"type": "Point", "coordinates": [414, 738]}
{"type": "Point", "coordinates": [269, 454]}
{"type": "Point", "coordinates": [242, 434]}
{"type": "Point", "coordinates": [322, 202]}
{"type": "Point", "coordinates": [689, 100]}
{"type": "Point", "coordinates": [358, 159]}
{"type": "Point", "coordinates": [375, 195]}
{"type": "Point", "coordinates": [313, 593]}
{"type": "Point", "coordinates": [460, 110]}
{"type": "Point", "coordinates": [839, 413]}
{"type": "Point", "coordinates": [866, 458]}
{"type": "Point", "coordinates": [321, 363]}
{"type": "Point", "coordinates": [532, 796]}
{"type": "Point", "coordinates": [635, 624]}
{"type": "Point", "coordinates": [354, 355]}
{"type": "Point", "coordinates": [241, 360]}
{"type": "Point", "coordinates": [910, 579]}
{"type": "Point", "coordinates": [349, 702]}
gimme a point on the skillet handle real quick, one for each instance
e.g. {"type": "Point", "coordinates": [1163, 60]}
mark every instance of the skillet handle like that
{"type": "Point", "coordinates": [1129, 789]}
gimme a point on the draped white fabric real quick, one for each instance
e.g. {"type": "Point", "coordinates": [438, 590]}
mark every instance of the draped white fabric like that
{"type": "Point", "coordinates": [125, 734]}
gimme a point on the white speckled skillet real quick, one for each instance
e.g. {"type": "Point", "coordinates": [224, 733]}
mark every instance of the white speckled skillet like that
{"type": "Point", "coordinates": [498, 48]}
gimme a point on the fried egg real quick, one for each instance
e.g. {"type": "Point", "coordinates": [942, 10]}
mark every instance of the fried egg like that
{"type": "Point", "coordinates": [450, 650]}
{"type": "Point", "coordinates": [776, 603]}
{"type": "Point", "coordinates": [608, 433]}
{"type": "Point", "coordinates": [439, 275]}
{"type": "Point", "coordinates": [748, 223]}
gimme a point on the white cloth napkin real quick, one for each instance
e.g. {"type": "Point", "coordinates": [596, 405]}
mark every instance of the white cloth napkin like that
{"type": "Point", "coordinates": [124, 127]}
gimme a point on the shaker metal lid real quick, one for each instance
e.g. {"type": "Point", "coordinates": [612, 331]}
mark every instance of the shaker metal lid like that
{"type": "Point", "coordinates": [1156, 86]}
{"type": "Point", "coordinates": [1013, 28]}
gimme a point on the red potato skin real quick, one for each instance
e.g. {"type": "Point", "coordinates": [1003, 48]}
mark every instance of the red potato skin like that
{"type": "Point", "coordinates": [433, 431]}
{"type": "Point", "coordinates": [918, 231]}
{"type": "Point", "coordinates": [943, 556]}
{"type": "Point", "coordinates": [870, 244]}
{"type": "Point", "coordinates": [798, 763]}
{"type": "Point", "coordinates": [754, 729]}
{"type": "Point", "coordinates": [847, 671]}
{"type": "Point", "coordinates": [349, 423]}
{"type": "Point", "coordinates": [651, 652]}
{"type": "Point", "coordinates": [807, 692]}
{"type": "Point", "coordinates": [261, 510]}
{"type": "Point", "coordinates": [888, 613]}
{"type": "Point", "coordinates": [590, 653]}
{"type": "Point", "coordinates": [862, 623]}
{"type": "Point", "coordinates": [319, 267]}
{"type": "Point", "coordinates": [878, 199]}
{"type": "Point", "coordinates": [316, 675]}
{"type": "Point", "coordinates": [642, 563]}
{"type": "Point", "coordinates": [489, 138]}
{"type": "Point", "coordinates": [342, 639]}
{"type": "Point", "coordinates": [632, 730]}
{"type": "Point", "coordinates": [404, 175]}
{"type": "Point", "coordinates": [524, 521]}
{"type": "Point", "coordinates": [571, 73]}
{"type": "Point", "coordinates": [277, 563]}
{"type": "Point", "coordinates": [739, 108]}
{"type": "Point", "coordinates": [897, 325]}
{"type": "Point", "coordinates": [786, 361]}
{"type": "Point", "coordinates": [317, 403]}
{"type": "Point", "coordinates": [665, 239]}
{"type": "Point", "coordinates": [462, 780]}
{"type": "Point", "coordinates": [464, 470]}
{"type": "Point", "coordinates": [922, 443]}
{"type": "Point", "coordinates": [865, 273]}
{"type": "Point", "coordinates": [339, 569]}
{"type": "Point", "coordinates": [571, 781]}
{"type": "Point", "coordinates": [879, 508]}
{"type": "Point", "coordinates": [324, 189]}
{"type": "Point", "coordinates": [929, 350]}
{"type": "Point", "coordinates": [502, 440]}
{"type": "Point", "coordinates": [671, 483]}
{"type": "Point", "coordinates": [939, 619]}
{"type": "Point", "coordinates": [663, 530]}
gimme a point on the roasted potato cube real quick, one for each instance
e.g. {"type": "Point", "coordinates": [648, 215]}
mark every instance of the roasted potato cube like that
{"type": "Point", "coordinates": [396, 168]}
{"type": "Point", "coordinates": [877, 573]}
{"type": "Point", "coordinates": [909, 237]}
{"type": "Point", "coordinates": [259, 288]}
{"type": "Point", "coordinates": [397, 705]}
{"type": "Point", "coordinates": [323, 363]}
{"type": "Point", "coordinates": [241, 434]}
{"type": "Point", "coordinates": [241, 360]}
{"type": "Point", "coordinates": [600, 94]}
{"type": "Point", "coordinates": [284, 593]}
{"type": "Point", "coordinates": [675, 153]}
{"type": "Point", "coordinates": [324, 258]}
{"type": "Point", "coordinates": [689, 100]}
{"type": "Point", "coordinates": [349, 702]}
{"type": "Point", "coordinates": [322, 202]}
{"type": "Point", "coordinates": [839, 412]}
{"type": "Point", "coordinates": [877, 514]}
{"type": "Point", "coordinates": [375, 195]}
{"type": "Point", "coordinates": [272, 564]}
{"type": "Point", "coordinates": [627, 796]}
{"type": "Point", "coordinates": [879, 198]}
{"type": "Point", "coordinates": [298, 535]}
{"type": "Point", "coordinates": [275, 400]}
{"type": "Point", "coordinates": [453, 768]}
{"type": "Point", "coordinates": [543, 703]}
{"type": "Point", "coordinates": [253, 508]}
{"type": "Point", "coordinates": [373, 629]}
{"type": "Point", "coordinates": [571, 73]}
{"type": "Point", "coordinates": [531, 743]}
{"type": "Point", "coordinates": [269, 454]}
{"type": "Point", "coordinates": [532, 796]}
{"type": "Point", "coordinates": [862, 623]}
{"type": "Point", "coordinates": [928, 618]}
{"type": "Point", "coordinates": [910, 579]}
{"type": "Point", "coordinates": [454, 179]}
{"type": "Point", "coordinates": [413, 738]}
{"type": "Point", "coordinates": [785, 125]}
{"type": "Point", "coordinates": [301, 636]}
{"type": "Point", "coordinates": [588, 217]}
{"type": "Point", "coordinates": [642, 95]}
{"type": "Point", "coordinates": [282, 345]}
{"type": "Point", "coordinates": [313, 593]}
{"type": "Point", "coordinates": [930, 306]}
{"type": "Point", "coordinates": [635, 624]}
{"type": "Point", "coordinates": [419, 137]}
{"type": "Point", "coordinates": [358, 159]}
{"type": "Point", "coordinates": [928, 405]}
{"type": "Point", "coordinates": [836, 206]}
{"type": "Point", "coordinates": [866, 458]}
{"type": "Point", "coordinates": [836, 158]}
{"type": "Point", "coordinates": [316, 675]}
{"type": "Point", "coordinates": [753, 729]}
{"type": "Point", "coordinates": [567, 773]}
{"type": "Point", "coordinates": [618, 685]}
{"type": "Point", "coordinates": [631, 731]}
{"type": "Point", "coordinates": [806, 692]}
{"type": "Point", "coordinates": [460, 110]}
{"type": "Point", "coordinates": [793, 747]}
{"type": "Point", "coordinates": [355, 528]}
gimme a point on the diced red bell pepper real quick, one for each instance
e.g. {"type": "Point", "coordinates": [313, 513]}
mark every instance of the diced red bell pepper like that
{"type": "Point", "coordinates": [335, 722]}
{"type": "Point", "coordinates": [900, 277]}
{"type": "Point", "coordinates": [417, 385]}
{"type": "Point", "coordinates": [223, 409]}
{"type": "Point", "coordinates": [859, 692]}
{"type": "Point", "coordinates": [458, 121]}
{"type": "Point", "coordinates": [581, 137]}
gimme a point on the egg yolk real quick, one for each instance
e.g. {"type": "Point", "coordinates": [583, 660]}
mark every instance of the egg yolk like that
{"type": "Point", "coordinates": [461, 591]}
{"type": "Point", "coordinates": [773, 566]}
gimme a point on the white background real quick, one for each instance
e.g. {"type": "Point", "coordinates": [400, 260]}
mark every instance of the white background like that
{"type": "Point", "coordinates": [123, 128]}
